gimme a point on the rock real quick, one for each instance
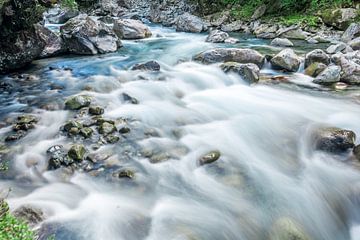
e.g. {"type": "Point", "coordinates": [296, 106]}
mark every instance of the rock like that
{"type": "Point", "coordinates": [25, 122]}
{"type": "Point", "coordinates": [209, 157]}
{"type": "Point", "coordinates": [315, 69]}
{"type": "Point", "coordinates": [355, 43]}
{"type": "Point", "coordinates": [334, 140]}
{"type": "Point", "coordinates": [292, 32]}
{"type": "Point", "coordinates": [356, 152]}
{"type": "Point", "coordinates": [218, 19]}
{"type": "Point", "coordinates": [259, 12]}
{"type": "Point", "coordinates": [124, 130]}
{"type": "Point", "coordinates": [230, 55]}
{"type": "Point", "coordinates": [336, 48]}
{"type": "Point", "coordinates": [54, 44]}
{"type": "Point", "coordinates": [311, 40]}
{"type": "Point", "coordinates": [60, 16]}
{"type": "Point", "coordinates": [77, 152]}
{"type": "Point", "coordinates": [286, 60]}
{"type": "Point", "coordinates": [106, 128]}
{"type": "Point", "coordinates": [15, 136]}
{"type": "Point", "coordinates": [351, 32]}
{"type": "Point", "coordinates": [217, 36]}
{"type": "Point", "coordinates": [316, 55]}
{"type": "Point", "coordinates": [329, 76]}
{"type": "Point", "coordinates": [96, 110]}
{"type": "Point", "coordinates": [233, 26]}
{"type": "Point", "coordinates": [86, 132]}
{"type": "Point", "coordinates": [265, 31]}
{"type": "Point", "coordinates": [126, 173]}
{"type": "Point", "coordinates": [148, 66]}
{"type": "Point", "coordinates": [72, 124]}
{"type": "Point", "coordinates": [83, 35]}
{"type": "Point", "coordinates": [281, 42]}
{"type": "Point", "coordinates": [31, 215]}
{"type": "Point", "coordinates": [287, 229]}
{"type": "Point", "coordinates": [4, 149]}
{"type": "Point", "coordinates": [77, 102]}
{"type": "Point", "coordinates": [339, 18]}
{"type": "Point", "coordinates": [58, 157]}
{"type": "Point", "coordinates": [130, 99]}
{"type": "Point", "coordinates": [112, 139]}
{"type": "Point", "coordinates": [249, 72]}
{"type": "Point", "coordinates": [231, 40]}
{"type": "Point", "coordinates": [350, 71]}
{"type": "Point", "coordinates": [189, 23]}
{"type": "Point", "coordinates": [131, 29]}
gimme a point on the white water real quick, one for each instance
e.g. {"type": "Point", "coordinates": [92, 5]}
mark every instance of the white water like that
{"type": "Point", "coordinates": [267, 170]}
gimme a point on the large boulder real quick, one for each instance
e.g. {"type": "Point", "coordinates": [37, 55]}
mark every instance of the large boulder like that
{"type": "Point", "coordinates": [217, 36]}
{"type": "Point", "coordinates": [351, 32]}
{"type": "Point", "coordinates": [316, 55]}
{"type": "Point", "coordinates": [350, 71]}
{"type": "Point", "coordinates": [287, 229]}
{"type": "Point", "coordinates": [286, 60]}
{"type": "Point", "coordinates": [333, 140]}
{"type": "Point", "coordinates": [190, 23]}
{"type": "Point", "coordinates": [281, 42]}
{"type": "Point", "coordinates": [54, 44]}
{"type": "Point", "coordinates": [233, 26]}
{"type": "Point", "coordinates": [230, 55]}
{"type": "Point", "coordinates": [131, 29]}
{"type": "Point", "coordinates": [329, 76]}
{"type": "Point", "coordinates": [336, 48]}
{"type": "Point", "coordinates": [60, 15]}
{"type": "Point", "coordinates": [339, 18]}
{"type": "Point", "coordinates": [84, 35]}
{"type": "Point", "coordinates": [315, 69]}
{"type": "Point", "coordinates": [293, 32]}
{"type": "Point", "coordinates": [265, 31]}
{"type": "Point", "coordinates": [248, 71]}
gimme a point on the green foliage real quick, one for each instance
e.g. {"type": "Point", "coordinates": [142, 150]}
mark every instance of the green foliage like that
{"type": "Point", "coordinates": [289, 20]}
{"type": "Point", "coordinates": [12, 228]}
{"type": "Point", "coordinates": [71, 4]}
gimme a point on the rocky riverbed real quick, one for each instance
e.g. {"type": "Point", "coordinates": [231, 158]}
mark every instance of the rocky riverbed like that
{"type": "Point", "coordinates": [126, 129]}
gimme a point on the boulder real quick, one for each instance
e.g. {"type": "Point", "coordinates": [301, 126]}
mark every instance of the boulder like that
{"type": "Point", "coordinates": [209, 157]}
{"type": "Point", "coordinates": [96, 110]}
{"type": "Point", "coordinates": [131, 29]}
{"type": "Point", "coordinates": [77, 102]}
{"type": "Point", "coordinates": [286, 60]}
{"type": "Point", "coordinates": [107, 128]}
{"type": "Point", "coordinates": [315, 69]}
{"type": "Point", "coordinates": [333, 140]}
{"type": "Point", "coordinates": [147, 66]}
{"type": "Point", "coordinates": [77, 152]}
{"type": "Point", "coordinates": [233, 26]}
{"type": "Point", "coordinates": [336, 48]}
{"type": "Point", "coordinates": [60, 15]}
{"type": "Point", "coordinates": [218, 19]}
{"type": "Point", "coordinates": [281, 42]}
{"type": "Point", "coordinates": [329, 76]}
{"type": "Point", "coordinates": [355, 43]}
{"type": "Point", "coordinates": [217, 36]}
{"type": "Point", "coordinates": [265, 31]}
{"type": "Point", "coordinates": [356, 152]}
{"type": "Point", "coordinates": [316, 55]}
{"type": "Point", "coordinates": [293, 32]}
{"type": "Point", "coordinates": [287, 229]}
{"type": "Point", "coordinates": [248, 71]}
{"type": "Point", "coordinates": [231, 40]}
{"type": "Point", "coordinates": [189, 23]}
{"type": "Point", "coordinates": [350, 71]}
{"type": "Point", "coordinates": [84, 35]}
{"type": "Point", "coordinates": [230, 55]}
{"type": "Point", "coordinates": [54, 44]}
{"type": "Point", "coordinates": [29, 214]}
{"type": "Point", "coordinates": [259, 12]}
{"type": "Point", "coordinates": [351, 32]}
{"type": "Point", "coordinates": [58, 157]}
{"type": "Point", "coordinates": [339, 18]}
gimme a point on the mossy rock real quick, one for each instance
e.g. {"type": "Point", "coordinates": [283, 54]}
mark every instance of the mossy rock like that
{"type": "Point", "coordinates": [77, 102]}
{"type": "Point", "coordinates": [287, 229]}
{"type": "Point", "coordinates": [77, 152]}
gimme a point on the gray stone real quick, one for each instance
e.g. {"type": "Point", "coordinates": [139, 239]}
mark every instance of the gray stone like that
{"type": "Point", "coordinates": [131, 29]}
{"type": "Point", "coordinates": [209, 157]}
{"type": "Point", "coordinates": [355, 43]}
{"type": "Point", "coordinates": [334, 140]}
{"type": "Point", "coordinates": [351, 32]}
{"type": "Point", "coordinates": [77, 152]}
{"type": "Point", "coordinates": [286, 60]}
{"type": "Point", "coordinates": [281, 42]}
{"type": "Point", "coordinates": [336, 48]}
{"type": "Point", "coordinates": [329, 76]}
{"type": "Point", "coordinates": [77, 102]}
{"type": "Point", "coordinates": [316, 55]}
{"type": "Point", "coordinates": [339, 18]}
{"type": "Point", "coordinates": [249, 72]}
{"type": "Point", "coordinates": [217, 36]}
{"type": "Point", "coordinates": [190, 23]}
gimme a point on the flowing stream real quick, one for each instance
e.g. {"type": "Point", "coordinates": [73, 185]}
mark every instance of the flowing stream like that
{"type": "Point", "coordinates": [268, 168]}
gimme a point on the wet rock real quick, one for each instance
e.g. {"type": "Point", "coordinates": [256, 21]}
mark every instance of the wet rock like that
{"type": "Point", "coordinates": [336, 48]}
{"type": "Point", "coordinates": [77, 152]}
{"type": "Point", "coordinates": [230, 55]}
{"type": "Point", "coordinates": [4, 149]}
{"type": "Point", "coordinates": [60, 15]}
{"type": "Point", "coordinates": [131, 29]}
{"type": "Point", "coordinates": [96, 110]}
{"type": "Point", "coordinates": [287, 229]}
{"type": "Point", "coordinates": [57, 157]}
{"type": "Point", "coordinates": [112, 139]}
{"type": "Point", "coordinates": [31, 215]}
{"type": "Point", "coordinates": [249, 72]}
{"type": "Point", "coordinates": [86, 132]}
{"type": "Point", "coordinates": [281, 42]}
{"type": "Point", "coordinates": [217, 36]}
{"type": "Point", "coordinates": [209, 157]}
{"type": "Point", "coordinates": [339, 18]}
{"type": "Point", "coordinates": [106, 128]}
{"type": "Point", "coordinates": [311, 40]}
{"type": "Point", "coordinates": [54, 44]}
{"type": "Point", "coordinates": [189, 23]}
{"type": "Point", "coordinates": [355, 43]}
{"type": "Point", "coordinates": [15, 136]}
{"type": "Point", "coordinates": [329, 76]}
{"type": "Point", "coordinates": [231, 40]}
{"type": "Point", "coordinates": [130, 99]}
{"type": "Point", "coordinates": [125, 173]}
{"type": "Point", "coordinates": [356, 152]}
{"type": "Point", "coordinates": [72, 124]}
{"type": "Point", "coordinates": [124, 130]}
{"type": "Point", "coordinates": [351, 32]}
{"type": "Point", "coordinates": [218, 19]}
{"type": "Point", "coordinates": [293, 32]}
{"type": "Point", "coordinates": [25, 122]}
{"type": "Point", "coordinates": [233, 26]}
{"type": "Point", "coordinates": [147, 66]}
{"type": "Point", "coordinates": [350, 71]}
{"type": "Point", "coordinates": [84, 35]}
{"type": "Point", "coordinates": [334, 140]}
{"type": "Point", "coordinates": [318, 56]}
{"type": "Point", "coordinates": [315, 69]}
{"type": "Point", "coordinates": [286, 60]}
{"type": "Point", "coordinates": [77, 102]}
{"type": "Point", "coordinates": [265, 31]}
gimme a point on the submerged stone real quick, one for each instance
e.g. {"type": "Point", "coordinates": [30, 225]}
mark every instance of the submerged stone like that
{"type": "Point", "coordinates": [128, 98]}
{"type": "Point", "coordinates": [72, 124]}
{"type": "Point", "coordinates": [334, 140]}
{"type": "Point", "coordinates": [287, 229]}
{"type": "Point", "coordinates": [106, 128]}
{"type": "Point", "coordinates": [96, 110]}
{"type": "Point", "coordinates": [209, 157]}
{"type": "Point", "coordinates": [147, 66]}
{"type": "Point", "coordinates": [112, 139]}
{"type": "Point", "coordinates": [77, 102]}
{"type": "Point", "coordinates": [124, 130]}
{"type": "Point", "coordinates": [86, 132]}
{"type": "Point", "coordinates": [58, 157]}
{"type": "Point", "coordinates": [126, 173]}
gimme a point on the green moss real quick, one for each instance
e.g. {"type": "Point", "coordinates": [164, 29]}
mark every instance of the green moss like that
{"type": "Point", "coordinates": [12, 228]}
